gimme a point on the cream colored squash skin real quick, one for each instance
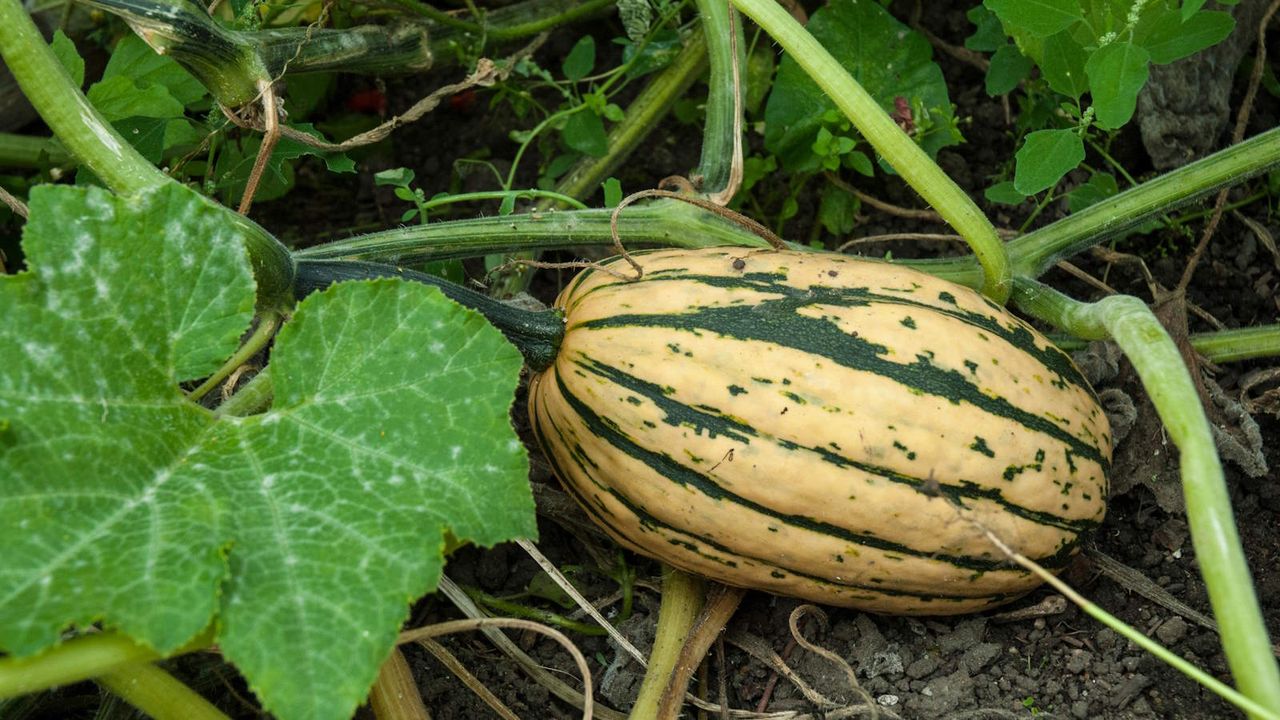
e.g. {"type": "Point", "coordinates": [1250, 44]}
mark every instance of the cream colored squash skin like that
{"type": "Point", "coordinates": [807, 424]}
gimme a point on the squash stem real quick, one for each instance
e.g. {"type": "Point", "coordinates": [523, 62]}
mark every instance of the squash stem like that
{"type": "Point", "coordinates": [537, 334]}
{"type": "Point", "coordinates": [157, 693]}
{"type": "Point", "coordinates": [682, 597]}
{"type": "Point", "coordinates": [1037, 251]}
{"type": "Point", "coordinates": [80, 128]}
{"type": "Point", "coordinates": [80, 658]}
{"type": "Point", "coordinates": [268, 323]}
{"type": "Point", "coordinates": [1133, 326]}
{"type": "Point", "coordinates": [897, 148]}
{"type": "Point", "coordinates": [662, 222]}
{"type": "Point", "coordinates": [721, 127]}
{"type": "Point", "coordinates": [643, 115]}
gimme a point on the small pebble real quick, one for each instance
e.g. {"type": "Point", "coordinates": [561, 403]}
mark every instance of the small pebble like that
{"type": "Point", "coordinates": [1078, 661]}
{"type": "Point", "coordinates": [887, 700]}
{"type": "Point", "coordinates": [1172, 631]}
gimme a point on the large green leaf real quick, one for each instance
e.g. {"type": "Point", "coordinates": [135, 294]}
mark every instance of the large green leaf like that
{"type": "Point", "coordinates": [134, 59]}
{"type": "Point", "coordinates": [1062, 65]}
{"type": "Point", "coordinates": [1041, 18]}
{"type": "Point", "coordinates": [304, 531]}
{"type": "Point", "coordinates": [888, 58]}
{"type": "Point", "coordinates": [1169, 37]}
{"type": "Point", "coordinates": [1116, 73]}
{"type": "Point", "coordinates": [1044, 158]}
{"type": "Point", "coordinates": [120, 97]}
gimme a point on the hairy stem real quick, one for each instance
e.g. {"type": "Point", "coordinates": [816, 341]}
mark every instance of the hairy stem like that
{"type": "Point", "coordinates": [682, 596]}
{"type": "Point", "coordinates": [898, 149]}
{"type": "Point", "coordinates": [80, 658]}
{"type": "Point", "coordinates": [722, 116]}
{"type": "Point", "coordinates": [663, 222]}
{"type": "Point", "coordinates": [65, 109]}
{"type": "Point", "coordinates": [158, 694]}
{"type": "Point", "coordinates": [1037, 251]}
{"type": "Point", "coordinates": [1129, 322]}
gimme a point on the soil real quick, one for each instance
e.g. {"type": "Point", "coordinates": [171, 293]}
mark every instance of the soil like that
{"type": "Point", "coordinates": [1054, 661]}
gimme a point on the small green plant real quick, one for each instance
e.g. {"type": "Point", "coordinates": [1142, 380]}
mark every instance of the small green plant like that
{"type": "Point", "coordinates": [1093, 60]}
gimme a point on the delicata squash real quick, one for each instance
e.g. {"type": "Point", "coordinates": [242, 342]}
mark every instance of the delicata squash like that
{"type": "Point", "coordinates": [822, 427]}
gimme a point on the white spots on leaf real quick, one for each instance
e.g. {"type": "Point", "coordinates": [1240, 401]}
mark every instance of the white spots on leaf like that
{"type": "Point", "coordinates": [513, 446]}
{"type": "Point", "coordinates": [268, 480]}
{"type": "Point", "coordinates": [395, 480]}
{"type": "Point", "coordinates": [290, 560]}
{"type": "Point", "coordinates": [81, 246]}
{"type": "Point", "coordinates": [436, 347]}
{"type": "Point", "coordinates": [38, 353]}
{"type": "Point", "coordinates": [454, 452]}
{"type": "Point", "coordinates": [101, 289]}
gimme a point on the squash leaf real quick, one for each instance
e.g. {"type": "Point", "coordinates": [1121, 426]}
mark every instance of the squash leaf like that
{"type": "Point", "coordinates": [888, 58]}
{"type": "Point", "coordinates": [305, 531]}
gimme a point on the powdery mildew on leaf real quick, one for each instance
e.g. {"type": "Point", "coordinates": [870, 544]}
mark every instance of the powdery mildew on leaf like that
{"type": "Point", "coordinates": [306, 529]}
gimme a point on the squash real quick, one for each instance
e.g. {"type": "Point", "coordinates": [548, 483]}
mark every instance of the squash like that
{"type": "Point", "coordinates": [822, 427]}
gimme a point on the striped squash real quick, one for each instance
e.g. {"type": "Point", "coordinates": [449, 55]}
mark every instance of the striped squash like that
{"type": "Point", "coordinates": [807, 424]}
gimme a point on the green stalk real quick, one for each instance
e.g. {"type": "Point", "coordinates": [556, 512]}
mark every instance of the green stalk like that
{"type": "Point", "coordinates": [1239, 344]}
{"type": "Point", "coordinates": [219, 57]}
{"type": "Point", "coordinates": [28, 152]}
{"type": "Point", "coordinates": [252, 398]}
{"type": "Point", "coordinates": [537, 334]}
{"type": "Point", "coordinates": [663, 222]}
{"type": "Point", "coordinates": [365, 49]}
{"type": "Point", "coordinates": [641, 118]}
{"type": "Point", "coordinates": [527, 19]}
{"type": "Point", "coordinates": [682, 596]}
{"type": "Point", "coordinates": [1217, 346]}
{"type": "Point", "coordinates": [80, 658]}
{"type": "Point", "coordinates": [1129, 322]}
{"type": "Point", "coordinates": [899, 150]}
{"type": "Point", "coordinates": [519, 20]}
{"type": "Point", "coordinates": [66, 111]}
{"type": "Point", "coordinates": [158, 694]}
{"type": "Point", "coordinates": [1037, 251]}
{"type": "Point", "coordinates": [721, 128]}
{"type": "Point", "coordinates": [233, 64]}
{"type": "Point", "coordinates": [508, 608]}
{"type": "Point", "coordinates": [268, 323]}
